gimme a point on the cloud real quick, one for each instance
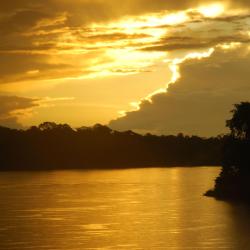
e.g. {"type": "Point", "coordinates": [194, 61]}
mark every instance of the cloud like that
{"type": "Point", "coordinates": [200, 101]}
{"type": "Point", "coordinates": [193, 43]}
{"type": "Point", "coordinates": [47, 44]}
{"type": "Point", "coordinates": [206, 33]}
{"type": "Point", "coordinates": [14, 110]}
{"type": "Point", "coordinates": [67, 39]}
{"type": "Point", "coordinates": [13, 107]}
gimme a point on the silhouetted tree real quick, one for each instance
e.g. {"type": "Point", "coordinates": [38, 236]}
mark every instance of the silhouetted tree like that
{"type": "Point", "coordinates": [47, 126]}
{"type": "Point", "coordinates": [240, 122]}
{"type": "Point", "coordinates": [234, 179]}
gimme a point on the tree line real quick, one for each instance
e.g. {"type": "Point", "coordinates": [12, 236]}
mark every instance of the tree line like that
{"type": "Point", "coordinates": [58, 146]}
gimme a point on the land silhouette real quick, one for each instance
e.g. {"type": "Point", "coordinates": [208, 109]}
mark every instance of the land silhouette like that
{"type": "Point", "coordinates": [58, 146]}
{"type": "Point", "coordinates": [233, 183]}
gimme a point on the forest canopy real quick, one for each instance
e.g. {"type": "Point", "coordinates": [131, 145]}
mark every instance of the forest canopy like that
{"type": "Point", "coordinates": [58, 146]}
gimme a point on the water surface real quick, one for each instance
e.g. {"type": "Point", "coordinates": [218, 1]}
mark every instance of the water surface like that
{"type": "Point", "coordinates": [156, 208]}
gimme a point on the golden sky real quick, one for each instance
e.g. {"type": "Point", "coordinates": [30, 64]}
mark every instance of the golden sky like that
{"type": "Point", "coordinates": [157, 66]}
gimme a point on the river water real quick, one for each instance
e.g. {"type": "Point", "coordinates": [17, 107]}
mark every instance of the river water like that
{"type": "Point", "coordinates": [146, 208]}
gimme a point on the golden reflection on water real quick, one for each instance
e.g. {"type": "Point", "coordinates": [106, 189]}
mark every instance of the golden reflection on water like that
{"type": "Point", "coordinates": [157, 208]}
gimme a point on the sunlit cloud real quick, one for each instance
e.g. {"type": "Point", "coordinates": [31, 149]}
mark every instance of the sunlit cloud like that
{"type": "Point", "coordinates": [103, 49]}
{"type": "Point", "coordinates": [129, 62]}
{"type": "Point", "coordinates": [174, 67]}
{"type": "Point", "coordinates": [228, 46]}
{"type": "Point", "coordinates": [132, 24]}
{"type": "Point", "coordinates": [51, 101]}
{"type": "Point", "coordinates": [33, 72]}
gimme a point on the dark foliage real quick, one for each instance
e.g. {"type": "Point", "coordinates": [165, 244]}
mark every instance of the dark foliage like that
{"type": "Point", "coordinates": [234, 180]}
{"type": "Point", "coordinates": [58, 146]}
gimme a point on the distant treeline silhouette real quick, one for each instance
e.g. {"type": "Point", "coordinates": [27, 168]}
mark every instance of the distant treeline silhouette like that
{"type": "Point", "coordinates": [233, 182]}
{"type": "Point", "coordinates": [58, 146]}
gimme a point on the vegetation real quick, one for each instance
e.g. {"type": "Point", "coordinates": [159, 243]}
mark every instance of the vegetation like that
{"type": "Point", "coordinates": [58, 146]}
{"type": "Point", "coordinates": [234, 180]}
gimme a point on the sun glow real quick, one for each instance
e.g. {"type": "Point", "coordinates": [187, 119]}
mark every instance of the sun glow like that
{"type": "Point", "coordinates": [213, 10]}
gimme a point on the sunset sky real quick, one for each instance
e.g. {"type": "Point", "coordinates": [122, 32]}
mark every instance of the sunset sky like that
{"type": "Point", "coordinates": [158, 66]}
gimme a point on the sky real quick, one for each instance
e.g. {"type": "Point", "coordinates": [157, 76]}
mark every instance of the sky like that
{"type": "Point", "coordinates": [157, 66]}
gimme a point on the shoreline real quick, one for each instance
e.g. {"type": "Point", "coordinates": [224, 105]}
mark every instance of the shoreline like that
{"type": "Point", "coordinates": [106, 168]}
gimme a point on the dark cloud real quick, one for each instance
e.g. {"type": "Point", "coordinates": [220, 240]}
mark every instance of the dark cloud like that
{"type": "Point", "coordinates": [23, 67]}
{"type": "Point", "coordinates": [98, 9]}
{"type": "Point", "coordinates": [12, 107]}
{"type": "Point", "coordinates": [116, 36]}
{"type": "Point", "coordinates": [179, 46]}
{"type": "Point", "coordinates": [183, 43]}
{"type": "Point", "coordinates": [20, 21]}
{"type": "Point", "coordinates": [198, 103]}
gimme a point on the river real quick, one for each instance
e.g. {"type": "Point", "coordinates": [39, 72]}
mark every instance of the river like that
{"type": "Point", "coordinates": [145, 208]}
